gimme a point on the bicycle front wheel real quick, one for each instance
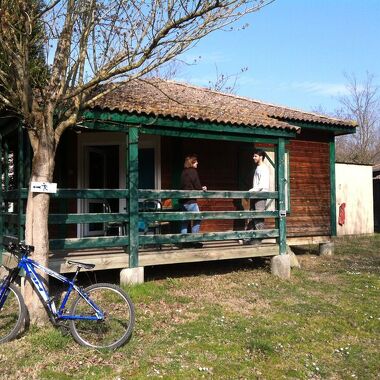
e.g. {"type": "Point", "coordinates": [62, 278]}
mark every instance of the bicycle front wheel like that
{"type": "Point", "coordinates": [12, 314]}
{"type": "Point", "coordinates": [119, 317]}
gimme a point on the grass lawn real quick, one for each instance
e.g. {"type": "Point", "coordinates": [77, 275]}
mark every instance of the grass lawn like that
{"type": "Point", "coordinates": [233, 320]}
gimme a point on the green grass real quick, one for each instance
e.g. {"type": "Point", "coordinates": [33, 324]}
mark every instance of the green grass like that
{"type": "Point", "coordinates": [239, 323]}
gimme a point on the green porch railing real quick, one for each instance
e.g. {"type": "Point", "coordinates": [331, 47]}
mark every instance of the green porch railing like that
{"type": "Point", "coordinates": [171, 216]}
{"type": "Point", "coordinates": [11, 221]}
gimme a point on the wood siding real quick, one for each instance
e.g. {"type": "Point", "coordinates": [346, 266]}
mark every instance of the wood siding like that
{"type": "Point", "coordinates": [227, 166]}
{"type": "Point", "coordinates": [309, 188]}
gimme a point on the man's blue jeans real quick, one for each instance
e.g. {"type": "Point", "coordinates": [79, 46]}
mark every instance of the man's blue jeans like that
{"type": "Point", "coordinates": [192, 207]}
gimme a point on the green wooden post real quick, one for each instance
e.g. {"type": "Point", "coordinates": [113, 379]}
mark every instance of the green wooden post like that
{"type": "Point", "coordinates": [133, 200]}
{"type": "Point", "coordinates": [177, 167]}
{"type": "Point", "coordinates": [280, 160]}
{"type": "Point", "coordinates": [332, 188]}
{"type": "Point", "coordinates": [28, 164]}
{"type": "Point", "coordinates": [20, 181]}
{"type": "Point", "coordinates": [6, 167]}
{"type": "Point", "coordinates": [1, 193]}
{"type": "Point", "coordinates": [6, 181]}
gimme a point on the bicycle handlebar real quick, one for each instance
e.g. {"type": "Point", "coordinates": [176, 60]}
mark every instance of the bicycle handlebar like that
{"type": "Point", "coordinates": [22, 248]}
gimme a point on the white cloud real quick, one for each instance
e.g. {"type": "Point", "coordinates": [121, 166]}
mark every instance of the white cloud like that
{"type": "Point", "coordinates": [202, 81]}
{"type": "Point", "coordinates": [316, 88]}
{"type": "Point", "coordinates": [211, 57]}
{"type": "Point", "coordinates": [311, 88]}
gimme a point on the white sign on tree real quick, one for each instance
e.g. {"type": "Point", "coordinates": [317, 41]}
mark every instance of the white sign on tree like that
{"type": "Point", "coordinates": [43, 187]}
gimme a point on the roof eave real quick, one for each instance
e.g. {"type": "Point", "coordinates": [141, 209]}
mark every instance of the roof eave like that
{"type": "Point", "coordinates": [336, 129]}
{"type": "Point", "coordinates": [119, 116]}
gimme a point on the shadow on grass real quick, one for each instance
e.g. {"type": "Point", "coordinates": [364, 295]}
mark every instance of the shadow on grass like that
{"type": "Point", "coordinates": [85, 279]}
{"type": "Point", "coordinates": [367, 258]}
{"type": "Point", "coordinates": [207, 268]}
{"type": "Point", "coordinates": [160, 272]}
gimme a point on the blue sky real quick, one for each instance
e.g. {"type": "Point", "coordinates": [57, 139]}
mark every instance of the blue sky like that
{"type": "Point", "coordinates": [296, 52]}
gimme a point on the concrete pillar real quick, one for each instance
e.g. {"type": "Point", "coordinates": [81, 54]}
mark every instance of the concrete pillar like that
{"type": "Point", "coordinates": [326, 249]}
{"type": "Point", "coordinates": [280, 266]}
{"type": "Point", "coordinates": [129, 276]}
{"type": "Point", "coordinates": [294, 263]}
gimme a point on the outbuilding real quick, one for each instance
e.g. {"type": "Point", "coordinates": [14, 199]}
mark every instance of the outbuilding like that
{"type": "Point", "coordinates": [376, 197]}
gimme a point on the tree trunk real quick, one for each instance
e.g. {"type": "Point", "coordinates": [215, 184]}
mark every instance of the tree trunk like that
{"type": "Point", "coordinates": [36, 228]}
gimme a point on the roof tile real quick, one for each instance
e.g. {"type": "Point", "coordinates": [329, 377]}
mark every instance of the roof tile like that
{"type": "Point", "coordinates": [179, 100]}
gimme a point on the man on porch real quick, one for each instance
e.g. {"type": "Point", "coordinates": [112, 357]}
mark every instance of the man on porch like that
{"type": "Point", "coordinates": [260, 183]}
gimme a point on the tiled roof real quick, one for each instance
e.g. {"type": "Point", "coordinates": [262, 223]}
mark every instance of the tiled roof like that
{"type": "Point", "coordinates": [179, 100]}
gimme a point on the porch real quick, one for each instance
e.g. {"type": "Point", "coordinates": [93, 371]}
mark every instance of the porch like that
{"type": "Point", "coordinates": [116, 258]}
{"type": "Point", "coordinates": [128, 247]}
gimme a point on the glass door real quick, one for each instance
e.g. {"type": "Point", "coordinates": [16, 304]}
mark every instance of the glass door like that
{"type": "Point", "coordinates": [101, 172]}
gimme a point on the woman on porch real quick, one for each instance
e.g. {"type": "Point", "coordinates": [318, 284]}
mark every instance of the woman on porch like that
{"type": "Point", "coordinates": [190, 181]}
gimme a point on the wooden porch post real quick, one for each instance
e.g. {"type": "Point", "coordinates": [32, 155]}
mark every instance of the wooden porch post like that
{"type": "Point", "coordinates": [280, 159]}
{"type": "Point", "coordinates": [20, 180]}
{"type": "Point", "coordinates": [6, 167]}
{"type": "Point", "coordinates": [332, 188]}
{"type": "Point", "coordinates": [133, 200]}
{"type": "Point", "coordinates": [6, 179]}
{"type": "Point", "coordinates": [27, 161]}
{"type": "Point", "coordinates": [2, 210]}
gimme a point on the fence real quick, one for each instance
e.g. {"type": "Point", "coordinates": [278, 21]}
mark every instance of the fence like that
{"type": "Point", "coordinates": [13, 222]}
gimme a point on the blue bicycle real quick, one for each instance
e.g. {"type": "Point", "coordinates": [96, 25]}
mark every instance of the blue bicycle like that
{"type": "Point", "coordinates": [101, 316]}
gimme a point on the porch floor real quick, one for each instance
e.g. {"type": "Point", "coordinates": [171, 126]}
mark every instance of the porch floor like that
{"type": "Point", "coordinates": [117, 258]}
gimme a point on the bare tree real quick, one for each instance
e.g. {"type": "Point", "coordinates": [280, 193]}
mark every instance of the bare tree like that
{"type": "Point", "coordinates": [362, 104]}
{"type": "Point", "coordinates": [224, 82]}
{"type": "Point", "coordinates": [168, 70]}
{"type": "Point", "coordinates": [89, 43]}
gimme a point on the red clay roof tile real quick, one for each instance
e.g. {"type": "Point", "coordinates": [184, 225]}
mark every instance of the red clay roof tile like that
{"type": "Point", "coordinates": [179, 100]}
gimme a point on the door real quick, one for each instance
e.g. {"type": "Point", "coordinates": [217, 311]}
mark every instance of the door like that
{"type": "Point", "coordinates": [102, 164]}
{"type": "Point", "coordinates": [101, 172]}
{"type": "Point", "coordinates": [147, 168]}
{"type": "Point", "coordinates": [149, 162]}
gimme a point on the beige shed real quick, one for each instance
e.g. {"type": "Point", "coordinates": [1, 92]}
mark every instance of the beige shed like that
{"type": "Point", "coordinates": [354, 199]}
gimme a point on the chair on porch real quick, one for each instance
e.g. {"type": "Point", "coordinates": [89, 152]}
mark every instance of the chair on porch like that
{"type": "Point", "coordinates": [154, 227]}
{"type": "Point", "coordinates": [110, 227]}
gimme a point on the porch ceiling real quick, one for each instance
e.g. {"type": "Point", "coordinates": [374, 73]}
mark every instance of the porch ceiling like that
{"type": "Point", "coordinates": [159, 98]}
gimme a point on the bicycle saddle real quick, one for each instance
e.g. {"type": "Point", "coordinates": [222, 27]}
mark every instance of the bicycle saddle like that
{"type": "Point", "coordinates": [81, 265]}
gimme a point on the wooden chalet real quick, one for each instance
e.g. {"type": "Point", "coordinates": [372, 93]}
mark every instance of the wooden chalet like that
{"type": "Point", "coordinates": [127, 152]}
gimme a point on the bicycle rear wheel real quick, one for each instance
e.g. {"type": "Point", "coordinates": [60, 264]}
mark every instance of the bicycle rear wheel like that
{"type": "Point", "coordinates": [12, 314]}
{"type": "Point", "coordinates": [117, 326]}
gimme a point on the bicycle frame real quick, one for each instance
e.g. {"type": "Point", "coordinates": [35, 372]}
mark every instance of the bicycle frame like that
{"type": "Point", "coordinates": [30, 267]}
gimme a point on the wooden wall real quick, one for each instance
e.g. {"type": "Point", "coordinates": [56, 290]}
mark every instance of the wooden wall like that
{"type": "Point", "coordinates": [229, 166]}
{"type": "Point", "coordinates": [309, 189]}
